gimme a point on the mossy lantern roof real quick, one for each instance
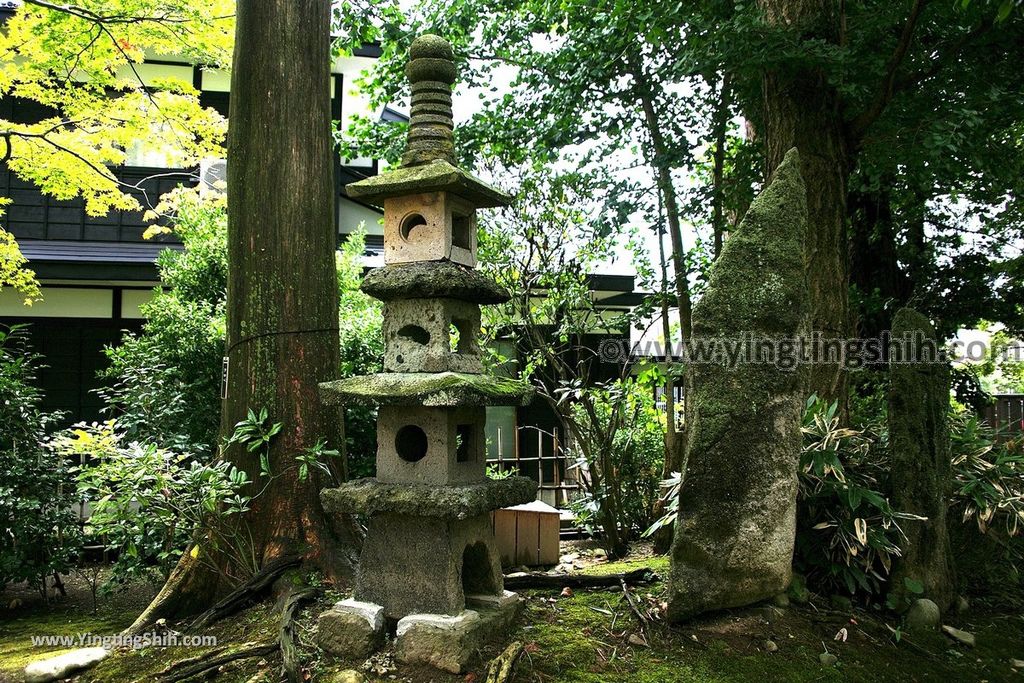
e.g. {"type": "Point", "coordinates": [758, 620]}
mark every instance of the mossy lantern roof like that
{"type": "Point", "coordinates": [437, 176]}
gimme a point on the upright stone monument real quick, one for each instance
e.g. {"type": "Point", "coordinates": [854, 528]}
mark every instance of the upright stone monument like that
{"type": "Point", "coordinates": [919, 445]}
{"type": "Point", "coordinates": [429, 553]}
{"type": "Point", "coordinates": [734, 537]}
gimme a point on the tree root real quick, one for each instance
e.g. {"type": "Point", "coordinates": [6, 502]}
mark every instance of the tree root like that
{"type": "Point", "coordinates": [289, 604]}
{"type": "Point", "coordinates": [193, 666]}
{"type": "Point", "coordinates": [501, 667]}
{"type": "Point", "coordinates": [244, 594]}
{"type": "Point", "coordinates": [543, 580]}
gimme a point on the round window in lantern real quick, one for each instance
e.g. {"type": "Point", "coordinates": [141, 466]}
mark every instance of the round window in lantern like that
{"type": "Point", "coordinates": [413, 226]}
{"type": "Point", "coordinates": [411, 443]}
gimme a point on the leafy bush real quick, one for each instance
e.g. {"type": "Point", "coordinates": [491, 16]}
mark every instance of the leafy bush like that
{"type": "Point", "coordinates": [166, 380]}
{"type": "Point", "coordinates": [362, 352]}
{"type": "Point", "coordinates": [40, 534]}
{"type": "Point", "coordinates": [619, 450]}
{"type": "Point", "coordinates": [146, 502]}
{"type": "Point", "coordinates": [847, 533]}
{"type": "Point", "coordinates": [988, 475]}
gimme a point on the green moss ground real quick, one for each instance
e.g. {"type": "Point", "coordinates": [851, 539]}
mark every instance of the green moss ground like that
{"type": "Point", "coordinates": [586, 638]}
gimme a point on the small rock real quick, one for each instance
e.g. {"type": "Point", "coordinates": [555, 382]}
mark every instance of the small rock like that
{"type": "Point", "coordinates": [770, 646]}
{"type": "Point", "coordinates": [600, 554]}
{"type": "Point", "coordinates": [1017, 663]}
{"type": "Point", "coordinates": [61, 666]}
{"type": "Point", "coordinates": [566, 592]}
{"type": "Point", "coordinates": [842, 603]}
{"type": "Point", "coordinates": [570, 558]}
{"type": "Point", "coordinates": [827, 659]}
{"type": "Point", "coordinates": [781, 600]}
{"type": "Point", "coordinates": [347, 676]}
{"type": "Point", "coordinates": [923, 615]}
{"type": "Point", "coordinates": [962, 605]}
{"type": "Point", "coordinates": [962, 637]}
{"type": "Point", "coordinates": [635, 639]}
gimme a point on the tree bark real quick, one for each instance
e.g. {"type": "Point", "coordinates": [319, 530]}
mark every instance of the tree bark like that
{"type": "Point", "coordinates": [282, 318]}
{"type": "Point", "coordinates": [801, 109]}
{"type": "Point", "coordinates": [720, 126]}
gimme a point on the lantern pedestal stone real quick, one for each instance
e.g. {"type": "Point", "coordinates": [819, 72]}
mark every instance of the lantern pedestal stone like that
{"type": "Point", "coordinates": [429, 567]}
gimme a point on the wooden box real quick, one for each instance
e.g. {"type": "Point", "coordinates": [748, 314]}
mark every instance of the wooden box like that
{"type": "Point", "coordinates": [527, 534]}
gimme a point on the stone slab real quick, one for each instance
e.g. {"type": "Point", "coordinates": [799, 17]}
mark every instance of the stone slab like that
{"type": "Point", "coordinates": [450, 643]}
{"type": "Point", "coordinates": [414, 565]}
{"type": "Point", "coordinates": [432, 390]}
{"type": "Point", "coordinates": [370, 496]}
{"type": "Point", "coordinates": [64, 665]}
{"type": "Point", "coordinates": [372, 612]}
{"type": "Point", "coordinates": [432, 279]}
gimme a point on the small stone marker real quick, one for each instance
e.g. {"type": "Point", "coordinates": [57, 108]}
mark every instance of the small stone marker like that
{"type": "Point", "coordinates": [429, 547]}
{"type": "Point", "coordinates": [64, 665]}
{"type": "Point", "coordinates": [733, 542]}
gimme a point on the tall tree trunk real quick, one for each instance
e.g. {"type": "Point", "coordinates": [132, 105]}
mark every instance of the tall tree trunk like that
{"type": "Point", "coordinates": [720, 127]}
{"type": "Point", "coordinates": [874, 266]}
{"type": "Point", "coordinates": [282, 318]}
{"type": "Point", "coordinates": [801, 109]}
{"type": "Point", "coordinates": [663, 537]}
{"type": "Point", "coordinates": [658, 157]}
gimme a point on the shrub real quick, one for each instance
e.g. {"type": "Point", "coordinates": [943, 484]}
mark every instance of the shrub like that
{"type": "Point", "coordinates": [166, 380]}
{"type": "Point", "coordinates": [362, 352]}
{"type": "Point", "coordinates": [40, 535]}
{"type": "Point", "coordinates": [847, 533]}
{"type": "Point", "coordinates": [147, 501]}
{"type": "Point", "coordinates": [619, 449]}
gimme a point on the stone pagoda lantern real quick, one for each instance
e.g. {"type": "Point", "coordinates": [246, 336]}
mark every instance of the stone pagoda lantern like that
{"type": "Point", "coordinates": [429, 565]}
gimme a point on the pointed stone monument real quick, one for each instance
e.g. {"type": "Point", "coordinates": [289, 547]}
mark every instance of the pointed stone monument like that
{"type": "Point", "coordinates": [429, 561]}
{"type": "Point", "coordinates": [734, 537]}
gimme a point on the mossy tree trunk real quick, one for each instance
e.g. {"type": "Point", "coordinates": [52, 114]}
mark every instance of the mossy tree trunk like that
{"type": "Point", "coordinates": [282, 337]}
{"type": "Point", "coordinates": [801, 109]}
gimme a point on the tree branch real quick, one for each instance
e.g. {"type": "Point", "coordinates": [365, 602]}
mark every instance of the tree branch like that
{"type": "Point", "coordinates": [885, 93]}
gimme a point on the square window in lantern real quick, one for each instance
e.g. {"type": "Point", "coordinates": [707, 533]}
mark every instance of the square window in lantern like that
{"type": "Point", "coordinates": [464, 442]}
{"type": "Point", "coordinates": [462, 230]}
{"type": "Point", "coordinates": [462, 336]}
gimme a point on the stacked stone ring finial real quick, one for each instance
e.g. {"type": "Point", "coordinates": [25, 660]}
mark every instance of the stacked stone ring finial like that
{"type": "Point", "coordinates": [431, 73]}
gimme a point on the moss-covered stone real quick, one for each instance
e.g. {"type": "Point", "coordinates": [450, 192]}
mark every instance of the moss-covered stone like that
{"type": "Point", "coordinates": [432, 390]}
{"type": "Point", "coordinates": [436, 176]}
{"type": "Point", "coordinates": [734, 537]}
{"type": "Point", "coordinates": [369, 496]}
{"type": "Point", "coordinates": [919, 445]}
{"type": "Point", "coordinates": [430, 280]}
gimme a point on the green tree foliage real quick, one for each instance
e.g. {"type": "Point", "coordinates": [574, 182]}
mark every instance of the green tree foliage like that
{"type": "Point", "coordinates": [165, 381]}
{"type": "Point", "coordinates": [39, 533]}
{"type": "Point", "coordinates": [81, 64]}
{"type": "Point", "coordinates": [927, 104]}
{"type": "Point", "coordinates": [147, 501]}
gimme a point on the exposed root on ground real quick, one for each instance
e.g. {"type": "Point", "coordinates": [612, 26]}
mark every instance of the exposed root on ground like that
{"type": "Point", "coordinates": [544, 580]}
{"type": "Point", "coordinates": [502, 667]}
{"type": "Point", "coordinates": [246, 593]}
{"type": "Point", "coordinates": [193, 666]}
